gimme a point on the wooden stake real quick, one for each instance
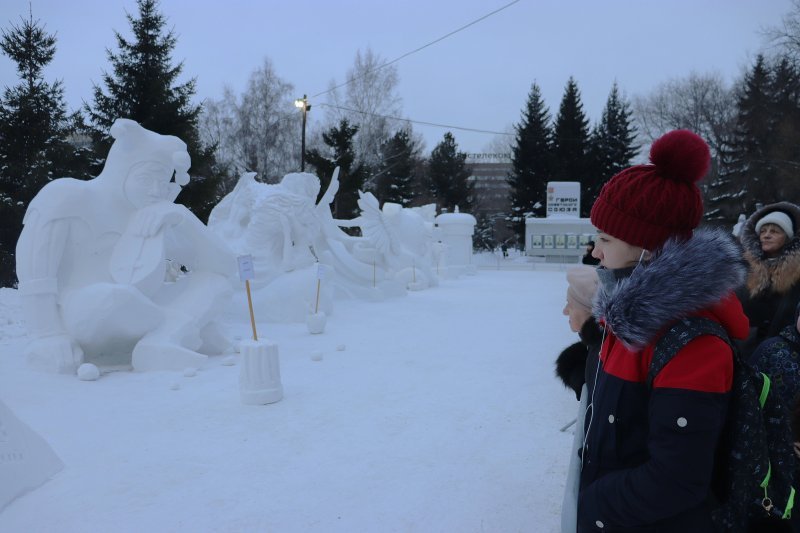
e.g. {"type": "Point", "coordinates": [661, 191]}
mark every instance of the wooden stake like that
{"type": "Point", "coordinates": [250, 305]}
{"type": "Point", "coordinates": [316, 307]}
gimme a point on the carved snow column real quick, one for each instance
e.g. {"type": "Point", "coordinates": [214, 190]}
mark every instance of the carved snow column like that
{"type": "Point", "coordinates": [260, 375]}
{"type": "Point", "coordinates": [455, 232]}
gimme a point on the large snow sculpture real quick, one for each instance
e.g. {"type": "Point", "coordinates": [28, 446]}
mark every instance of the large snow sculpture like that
{"type": "Point", "coordinates": [287, 232]}
{"type": "Point", "coordinates": [92, 260]}
{"type": "Point", "coordinates": [276, 224]}
{"type": "Point", "coordinates": [401, 236]}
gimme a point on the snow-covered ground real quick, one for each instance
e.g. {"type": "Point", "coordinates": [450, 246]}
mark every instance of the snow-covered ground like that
{"type": "Point", "coordinates": [435, 412]}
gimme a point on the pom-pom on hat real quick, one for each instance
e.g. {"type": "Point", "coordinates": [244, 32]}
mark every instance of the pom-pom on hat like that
{"type": "Point", "coordinates": [780, 219]}
{"type": "Point", "coordinates": [645, 205]}
{"type": "Point", "coordinates": [583, 283]}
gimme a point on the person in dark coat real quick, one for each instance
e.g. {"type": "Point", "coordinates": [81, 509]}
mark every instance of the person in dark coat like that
{"type": "Point", "coordinates": [772, 250]}
{"type": "Point", "coordinates": [572, 361]}
{"type": "Point", "coordinates": [779, 358]}
{"type": "Point", "coordinates": [572, 367]}
{"type": "Point", "coordinates": [649, 452]}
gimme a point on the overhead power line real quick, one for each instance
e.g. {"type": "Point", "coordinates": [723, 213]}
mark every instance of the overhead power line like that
{"type": "Point", "coordinates": [418, 49]}
{"type": "Point", "coordinates": [448, 126]}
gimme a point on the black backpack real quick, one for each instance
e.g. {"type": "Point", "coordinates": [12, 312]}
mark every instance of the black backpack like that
{"type": "Point", "coordinates": [755, 462]}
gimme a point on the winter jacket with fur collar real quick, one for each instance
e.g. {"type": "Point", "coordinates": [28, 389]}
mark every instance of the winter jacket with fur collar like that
{"type": "Point", "coordinates": [649, 454]}
{"type": "Point", "coordinates": [571, 364]}
{"type": "Point", "coordinates": [772, 291]}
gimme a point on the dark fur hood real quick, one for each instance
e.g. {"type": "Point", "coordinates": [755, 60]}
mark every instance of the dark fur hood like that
{"type": "Point", "coordinates": [684, 277]}
{"type": "Point", "coordinates": [780, 273]}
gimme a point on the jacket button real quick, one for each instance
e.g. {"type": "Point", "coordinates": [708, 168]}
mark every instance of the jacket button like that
{"type": "Point", "coordinates": [610, 419]}
{"type": "Point", "coordinates": [599, 524]}
{"type": "Point", "coordinates": [682, 422]}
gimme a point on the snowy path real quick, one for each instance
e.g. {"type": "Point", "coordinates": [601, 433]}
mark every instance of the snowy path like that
{"type": "Point", "coordinates": [441, 415]}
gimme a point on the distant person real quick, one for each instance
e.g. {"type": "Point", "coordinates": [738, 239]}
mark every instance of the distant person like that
{"type": "Point", "coordinates": [573, 365]}
{"type": "Point", "coordinates": [772, 250]}
{"type": "Point", "coordinates": [649, 450]}
{"type": "Point", "coordinates": [588, 258]}
{"type": "Point", "coordinates": [504, 249]}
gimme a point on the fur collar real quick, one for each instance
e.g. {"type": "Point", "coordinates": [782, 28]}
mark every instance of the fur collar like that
{"type": "Point", "coordinates": [778, 274]}
{"type": "Point", "coordinates": [684, 277]}
{"type": "Point", "coordinates": [591, 333]}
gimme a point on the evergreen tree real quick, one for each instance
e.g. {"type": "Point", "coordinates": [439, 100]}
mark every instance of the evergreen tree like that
{"type": "Point", "coordinates": [394, 181]}
{"type": "Point", "coordinates": [748, 171]}
{"type": "Point", "coordinates": [448, 176]}
{"type": "Point", "coordinates": [34, 128]}
{"type": "Point", "coordinates": [612, 145]}
{"type": "Point", "coordinates": [530, 163]}
{"type": "Point", "coordinates": [784, 151]}
{"type": "Point", "coordinates": [484, 238]}
{"type": "Point", "coordinates": [143, 88]}
{"type": "Point", "coordinates": [351, 175]}
{"type": "Point", "coordinates": [571, 157]}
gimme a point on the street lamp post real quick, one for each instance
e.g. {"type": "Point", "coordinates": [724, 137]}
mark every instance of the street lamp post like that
{"type": "Point", "coordinates": [302, 103]}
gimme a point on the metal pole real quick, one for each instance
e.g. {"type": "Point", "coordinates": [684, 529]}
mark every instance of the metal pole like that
{"type": "Point", "coordinates": [303, 139]}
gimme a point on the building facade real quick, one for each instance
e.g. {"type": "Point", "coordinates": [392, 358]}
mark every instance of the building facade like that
{"type": "Point", "coordinates": [489, 175]}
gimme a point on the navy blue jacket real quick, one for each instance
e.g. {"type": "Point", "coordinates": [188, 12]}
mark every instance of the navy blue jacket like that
{"type": "Point", "coordinates": [649, 454]}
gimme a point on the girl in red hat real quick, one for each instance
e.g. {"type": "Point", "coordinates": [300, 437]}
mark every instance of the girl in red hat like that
{"type": "Point", "coordinates": [648, 452]}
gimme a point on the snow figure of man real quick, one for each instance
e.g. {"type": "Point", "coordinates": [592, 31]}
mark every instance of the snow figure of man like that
{"type": "Point", "coordinates": [92, 258]}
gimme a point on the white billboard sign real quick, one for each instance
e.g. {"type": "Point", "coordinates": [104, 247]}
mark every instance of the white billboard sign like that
{"type": "Point", "coordinates": [563, 198]}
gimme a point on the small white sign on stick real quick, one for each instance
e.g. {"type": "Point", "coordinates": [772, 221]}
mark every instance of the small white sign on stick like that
{"type": "Point", "coordinates": [323, 271]}
{"type": "Point", "coordinates": [246, 271]}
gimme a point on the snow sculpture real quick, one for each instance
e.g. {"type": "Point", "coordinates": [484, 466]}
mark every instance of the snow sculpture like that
{"type": "Point", "coordinates": [278, 225]}
{"type": "Point", "coordinates": [402, 238]}
{"type": "Point", "coordinates": [456, 230]}
{"type": "Point", "coordinates": [26, 460]}
{"type": "Point", "coordinates": [287, 232]}
{"type": "Point", "coordinates": [92, 264]}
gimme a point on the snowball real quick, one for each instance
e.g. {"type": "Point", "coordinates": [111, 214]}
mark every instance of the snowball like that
{"type": "Point", "coordinates": [175, 386]}
{"type": "Point", "coordinates": [316, 355]}
{"type": "Point", "coordinates": [88, 372]}
{"type": "Point", "coordinates": [229, 361]}
{"type": "Point", "coordinates": [190, 372]}
{"type": "Point", "coordinates": [340, 348]}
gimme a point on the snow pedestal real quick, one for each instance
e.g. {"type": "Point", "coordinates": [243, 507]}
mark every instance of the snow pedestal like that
{"type": "Point", "coordinates": [260, 375]}
{"type": "Point", "coordinates": [456, 230]}
{"type": "Point", "coordinates": [316, 322]}
{"type": "Point", "coordinates": [26, 460]}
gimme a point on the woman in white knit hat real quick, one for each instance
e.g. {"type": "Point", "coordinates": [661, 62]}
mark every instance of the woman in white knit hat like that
{"type": "Point", "coordinates": [772, 250]}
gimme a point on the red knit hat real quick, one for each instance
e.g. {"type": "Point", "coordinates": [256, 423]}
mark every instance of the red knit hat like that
{"type": "Point", "coordinates": [645, 205]}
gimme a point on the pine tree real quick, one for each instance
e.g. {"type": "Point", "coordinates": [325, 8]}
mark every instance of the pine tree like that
{"type": "Point", "coordinates": [531, 163]}
{"type": "Point", "coordinates": [748, 171]}
{"type": "Point", "coordinates": [351, 176]}
{"type": "Point", "coordinates": [396, 175]}
{"type": "Point", "coordinates": [34, 129]}
{"type": "Point", "coordinates": [448, 176]}
{"type": "Point", "coordinates": [143, 88]}
{"type": "Point", "coordinates": [612, 145]}
{"type": "Point", "coordinates": [784, 151]}
{"type": "Point", "coordinates": [571, 157]}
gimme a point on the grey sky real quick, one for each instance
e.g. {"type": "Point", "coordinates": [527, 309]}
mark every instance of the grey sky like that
{"type": "Point", "coordinates": [478, 78]}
